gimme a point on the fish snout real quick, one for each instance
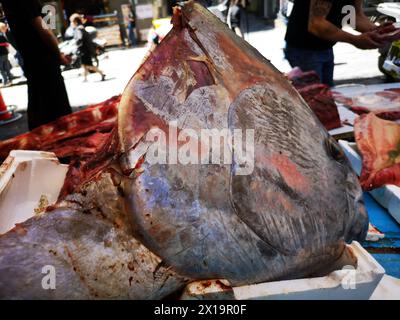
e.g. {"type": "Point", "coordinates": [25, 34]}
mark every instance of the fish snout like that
{"type": "Point", "coordinates": [359, 227]}
{"type": "Point", "coordinates": [358, 222]}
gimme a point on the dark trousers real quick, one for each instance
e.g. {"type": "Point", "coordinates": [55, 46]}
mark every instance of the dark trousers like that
{"type": "Point", "coordinates": [320, 61]}
{"type": "Point", "coordinates": [5, 69]}
{"type": "Point", "coordinates": [47, 95]}
{"type": "Point", "coordinates": [20, 61]}
{"type": "Point", "coordinates": [131, 35]}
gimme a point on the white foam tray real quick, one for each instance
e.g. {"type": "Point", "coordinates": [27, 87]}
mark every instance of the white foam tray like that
{"type": "Point", "coordinates": [388, 289]}
{"type": "Point", "coordinates": [346, 283]}
{"type": "Point", "coordinates": [387, 196]}
{"type": "Point", "coordinates": [28, 178]}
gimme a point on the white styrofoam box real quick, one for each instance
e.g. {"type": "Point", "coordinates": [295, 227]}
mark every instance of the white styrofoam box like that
{"type": "Point", "coordinates": [356, 277]}
{"type": "Point", "coordinates": [387, 196]}
{"type": "Point", "coordinates": [29, 181]}
{"type": "Point", "coordinates": [387, 289]}
{"type": "Point", "coordinates": [348, 283]}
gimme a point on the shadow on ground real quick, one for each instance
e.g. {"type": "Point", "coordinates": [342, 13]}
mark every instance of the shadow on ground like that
{"type": "Point", "coordinates": [364, 81]}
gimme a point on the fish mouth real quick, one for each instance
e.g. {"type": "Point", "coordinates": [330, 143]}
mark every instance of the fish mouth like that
{"type": "Point", "coordinates": [359, 227]}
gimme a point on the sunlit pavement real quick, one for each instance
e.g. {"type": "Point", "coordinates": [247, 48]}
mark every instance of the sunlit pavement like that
{"type": "Point", "coordinates": [120, 65]}
{"type": "Point", "coordinates": [352, 64]}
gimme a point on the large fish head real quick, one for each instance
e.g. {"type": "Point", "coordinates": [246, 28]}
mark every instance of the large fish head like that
{"type": "Point", "coordinates": [244, 70]}
{"type": "Point", "coordinates": [292, 210]}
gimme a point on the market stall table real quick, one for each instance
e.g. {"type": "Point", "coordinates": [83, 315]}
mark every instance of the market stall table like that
{"type": "Point", "coordinates": [386, 251]}
{"type": "Point", "coordinates": [359, 89]}
{"type": "Point", "coordinates": [347, 116]}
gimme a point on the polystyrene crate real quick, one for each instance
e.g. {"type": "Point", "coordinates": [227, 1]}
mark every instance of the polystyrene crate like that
{"type": "Point", "coordinates": [29, 181]}
{"type": "Point", "coordinates": [356, 278]}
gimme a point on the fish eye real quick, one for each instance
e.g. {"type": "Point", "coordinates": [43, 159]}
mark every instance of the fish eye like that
{"type": "Point", "coordinates": [334, 150]}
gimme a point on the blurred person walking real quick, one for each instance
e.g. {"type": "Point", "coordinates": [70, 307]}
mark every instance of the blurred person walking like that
{"type": "Point", "coordinates": [5, 66]}
{"type": "Point", "coordinates": [132, 27]}
{"type": "Point", "coordinates": [86, 49]}
{"type": "Point", "coordinates": [47, 95]}
{"type": "Point", "coordinates": [234, 17]}
{"type": "Point", "coordinates": [17, 56]}
{"type": "Point", "coordinates": [70, 32]}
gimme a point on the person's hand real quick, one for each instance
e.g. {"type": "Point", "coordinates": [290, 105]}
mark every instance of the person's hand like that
{"type": "Point", "coordinates": [65, 60]}
{"type": "Point", "coordinates": [392, 36]}
{"type": "Point", "coordinates": [368, 40]}
{"type": "Point", "coordinates": [385, 28]}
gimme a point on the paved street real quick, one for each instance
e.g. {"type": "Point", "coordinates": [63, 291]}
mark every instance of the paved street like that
{"type": "Point", "coordinates": [118, 65]}
{"type": "Point", "coordinates": [352, 65]}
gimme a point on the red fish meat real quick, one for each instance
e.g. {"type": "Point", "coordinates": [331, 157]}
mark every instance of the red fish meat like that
{"type": "Point", "coordinates": [98, 118]}
{"type": "Point", "coordinates": [379, 144]}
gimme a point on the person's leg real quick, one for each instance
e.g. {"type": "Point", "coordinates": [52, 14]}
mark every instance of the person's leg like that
{"type": "Point", "coordinates": [34, 110]}
{"type": "Point", "coordinates": [4, 76]}
{"type": "Point", "coordinates": [96, 59]}
{"type": "Point", "coordinates": [97, 70]}
{"type": "Point", "coordinates": [3, 69]}
{"type": "Point", "coordinates": [18, 57]}
{"type": "Point", "coordinates": [306, 60]}
{"type": "Point", "coordinates": [94, 69]}
{"type": "Point", "coordinates": [238, 32]}
{"type": "Point", "coordinates": [48, 98]}
{"type": "Point", "coordinates": [134, 41]}
{"type": "Point", "coordinates": [328, 68]}
{"type": "Point", "coordinates": [103, 76]}
{"type": "Point", "coordinates": [8, 70]}
{"type": "Point", "coordinates": [131, 34]}
{"type": "Point", "coordinates": [122, 33]}
{"type": "Point", "coordinates": [85, 72]}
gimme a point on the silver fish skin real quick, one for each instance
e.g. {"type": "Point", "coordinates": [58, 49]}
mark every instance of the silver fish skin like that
{"type": "Point", "coordinates": [88, 242]}
{"type": "Point", "coordinates": [289, 218]}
